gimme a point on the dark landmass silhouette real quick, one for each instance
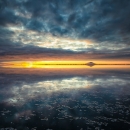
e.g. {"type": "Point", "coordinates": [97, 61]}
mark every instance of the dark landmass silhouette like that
{"type": "Point", "coordinates": [90, 64]}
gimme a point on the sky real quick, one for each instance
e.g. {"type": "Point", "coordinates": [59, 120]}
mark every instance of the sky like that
{"type": "Point", "coordinates": [36, 32]}
{"type": "Point", "coordinates": [64, 30]}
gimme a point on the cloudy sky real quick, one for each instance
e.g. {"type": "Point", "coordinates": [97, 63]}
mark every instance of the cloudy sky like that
{"type": "Point", "coordinates": [64, 30]}
{"type": "Point", "coordinates": [40, 31]}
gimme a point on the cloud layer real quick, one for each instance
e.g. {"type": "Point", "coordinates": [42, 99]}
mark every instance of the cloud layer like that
{"type": "Point", "coordinates": [72, 25]}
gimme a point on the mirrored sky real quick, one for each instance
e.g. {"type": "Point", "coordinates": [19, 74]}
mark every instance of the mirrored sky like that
{"type": "Point", "coordinates": [67, 100]}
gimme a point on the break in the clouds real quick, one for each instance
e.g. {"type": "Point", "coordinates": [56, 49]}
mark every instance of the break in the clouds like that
{"type": "Point", "coordinates": [72, 25]}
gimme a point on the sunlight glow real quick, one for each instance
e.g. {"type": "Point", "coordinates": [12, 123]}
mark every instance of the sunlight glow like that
{"type": "Point", "coordinates": [63, 64]}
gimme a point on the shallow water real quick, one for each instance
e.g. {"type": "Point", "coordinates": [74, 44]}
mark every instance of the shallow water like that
{"type": "Point", "coordinates": [70, 99]}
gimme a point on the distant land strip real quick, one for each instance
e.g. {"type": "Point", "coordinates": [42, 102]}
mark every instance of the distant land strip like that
{"type": "Point", "coordinates": [81, 64]}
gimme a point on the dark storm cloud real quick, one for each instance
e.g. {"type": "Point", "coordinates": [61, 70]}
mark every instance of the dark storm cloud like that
{"type": "Point", "coordinates": [106, 22]}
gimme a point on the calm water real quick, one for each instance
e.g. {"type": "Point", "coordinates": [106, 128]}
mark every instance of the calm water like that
{"type": "Point", "coordinates": [65, 99]}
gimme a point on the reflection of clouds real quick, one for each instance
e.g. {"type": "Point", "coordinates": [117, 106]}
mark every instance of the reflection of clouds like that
{"type": "Point", "coordinates": [85, 100]}
{"type": "Point", "coordinates": [110, 81]}
{"type": "Point", "coordinates": [27, 91]}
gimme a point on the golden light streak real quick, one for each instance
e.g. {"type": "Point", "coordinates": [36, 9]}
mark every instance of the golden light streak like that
{"type": "Point", "coordinates": [64, 64]}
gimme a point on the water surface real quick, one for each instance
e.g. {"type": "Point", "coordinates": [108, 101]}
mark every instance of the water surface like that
{"type": "Point", "coordinates": [79, 99]}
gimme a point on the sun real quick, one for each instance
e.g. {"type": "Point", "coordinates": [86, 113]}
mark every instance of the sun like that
{"type": "Point", "coordinates": [26, 64]}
